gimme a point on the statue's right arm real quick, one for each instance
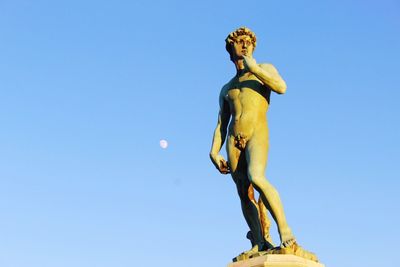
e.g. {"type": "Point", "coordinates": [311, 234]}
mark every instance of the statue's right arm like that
{"type": "Point", "coordinates": [220, 134]}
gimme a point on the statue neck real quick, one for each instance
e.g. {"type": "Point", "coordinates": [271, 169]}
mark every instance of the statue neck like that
{"type": "Point", "coordinates": [239, 66]}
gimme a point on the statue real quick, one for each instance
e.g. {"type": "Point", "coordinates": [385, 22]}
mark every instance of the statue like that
{"type": "Point", "coordinates": [244, 102]}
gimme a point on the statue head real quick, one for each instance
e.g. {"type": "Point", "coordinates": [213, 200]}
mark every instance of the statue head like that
{"type": "Point", "coordinates": [242, 36]}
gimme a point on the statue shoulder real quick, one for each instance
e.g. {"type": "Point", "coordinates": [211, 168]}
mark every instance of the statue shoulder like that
{"type": "Point", "coordinates": [225, 88]}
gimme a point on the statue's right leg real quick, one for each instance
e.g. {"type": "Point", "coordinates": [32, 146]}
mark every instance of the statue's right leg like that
{"type": "Point", "coordinates": [238, 166]}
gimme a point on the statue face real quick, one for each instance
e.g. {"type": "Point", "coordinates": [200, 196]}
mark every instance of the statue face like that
{"type": "Point", "coordinates": [243, 46]}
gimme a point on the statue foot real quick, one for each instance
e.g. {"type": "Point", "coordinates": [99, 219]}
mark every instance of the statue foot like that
{"type": "Point", "coordinates": [291, 247]}
{"type": "Point", "coordinates": [249, 253]}
{"type": "Point", "coordinates": [266, 245]}
{"type": "Point", "coordinates": [288, 242]}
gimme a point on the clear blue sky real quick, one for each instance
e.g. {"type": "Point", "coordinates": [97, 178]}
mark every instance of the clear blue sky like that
{"type": "Point", "coordinates": [88, 88]}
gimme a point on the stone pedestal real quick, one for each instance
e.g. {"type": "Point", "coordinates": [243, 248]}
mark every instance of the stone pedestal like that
{"type": "Point", "coordinates": [273, 260]}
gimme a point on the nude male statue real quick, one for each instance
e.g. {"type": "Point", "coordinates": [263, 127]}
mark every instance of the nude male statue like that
{"type": "Point", "coordinates": [244, 101]}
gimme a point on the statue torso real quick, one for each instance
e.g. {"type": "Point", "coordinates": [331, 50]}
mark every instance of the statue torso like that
{"type": "Point", "coordinates": [248, 101]}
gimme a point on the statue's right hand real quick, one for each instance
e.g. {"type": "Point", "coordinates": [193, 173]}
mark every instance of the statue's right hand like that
{"type": "Point", "coordinates": [220, 163]}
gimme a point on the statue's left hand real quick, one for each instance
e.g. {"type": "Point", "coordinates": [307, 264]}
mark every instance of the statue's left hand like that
{"type": "Point", "coordinates": [250, 63]}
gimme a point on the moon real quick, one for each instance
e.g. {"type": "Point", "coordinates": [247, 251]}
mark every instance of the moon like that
{"type": "Point", "coordinates": [163, 143]}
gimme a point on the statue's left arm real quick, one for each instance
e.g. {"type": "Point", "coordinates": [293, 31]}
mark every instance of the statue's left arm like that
{"type": "Point", "coordinates": [267, 74]}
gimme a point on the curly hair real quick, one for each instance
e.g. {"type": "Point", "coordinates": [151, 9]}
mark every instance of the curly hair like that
{"type": "Point", "coordinates": [232, 37]}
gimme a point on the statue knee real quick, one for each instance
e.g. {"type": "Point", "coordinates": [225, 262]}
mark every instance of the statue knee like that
{"type": "Point", "coordinates": [256, 180]}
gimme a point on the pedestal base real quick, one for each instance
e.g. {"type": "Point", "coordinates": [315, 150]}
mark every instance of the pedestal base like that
{"type": "Point", "coordinates": [274, 260]}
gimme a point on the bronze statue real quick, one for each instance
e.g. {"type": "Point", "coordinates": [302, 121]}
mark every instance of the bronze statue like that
{"type": "Point", "coordinates": [244, 102]}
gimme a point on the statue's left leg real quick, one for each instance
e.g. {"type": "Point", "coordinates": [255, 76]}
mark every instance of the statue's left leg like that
{"type": "Point", "coordinates": [256, 156]}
